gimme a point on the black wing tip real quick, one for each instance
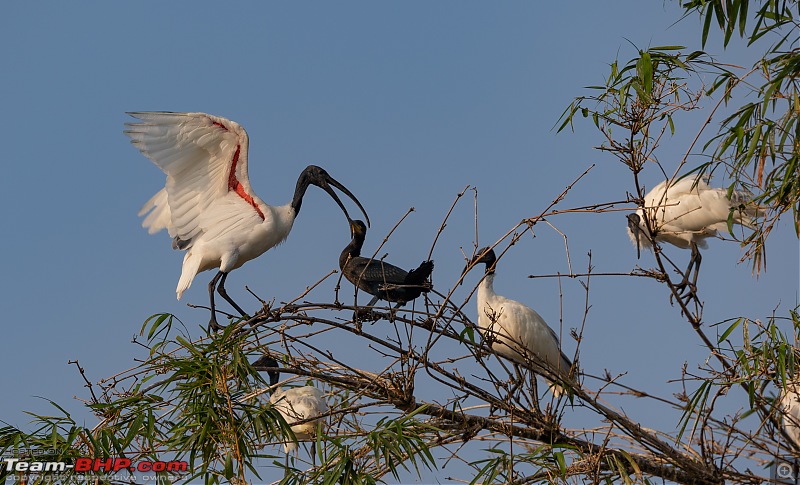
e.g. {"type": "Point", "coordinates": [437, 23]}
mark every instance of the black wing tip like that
{"type": "Point", "coordinates": [421, 273]}
{"type": "Point", "coordinates": [426, 267]}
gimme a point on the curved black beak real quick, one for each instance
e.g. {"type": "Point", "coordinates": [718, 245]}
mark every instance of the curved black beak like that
{"type": "Point", "coordinates": [318, 176]}
{"type": "Point", "coordinates": [483, 255]}
{"type": "Point", "coordinates": [469, 266]}
{"type": "Point", "coordinates": [325, 182]}
{"type": "Point", "coordinates": [633, 225]}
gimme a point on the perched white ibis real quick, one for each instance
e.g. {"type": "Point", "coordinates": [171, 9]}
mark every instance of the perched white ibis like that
{"type": "Point", "coordinates": [515, 330]}
{"type": "Point", "coordinates": [207, 205]}
{"type": "Point", "coordinates": [684, 214]}
{"type": "Point", "coordinates": [378, 278]}
{"type": "Point", "coordinates": [294, 404]}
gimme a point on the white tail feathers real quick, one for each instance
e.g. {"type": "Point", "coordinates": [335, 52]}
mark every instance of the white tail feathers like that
{"type": "Point", "coordinates": [289, 446]}
{"type": "Point", "coordinates": [567, 370]}
{"type": "Point", "coordinates": [556, 389]}
{"type": "Point", "coordinates": [191, 264]}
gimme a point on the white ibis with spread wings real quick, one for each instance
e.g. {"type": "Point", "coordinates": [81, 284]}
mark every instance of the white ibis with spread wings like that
{"type": "Point", "coordinates": [207, 205]}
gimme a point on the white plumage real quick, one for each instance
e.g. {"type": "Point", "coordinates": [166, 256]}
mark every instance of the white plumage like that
{"type": "Point", "coordinates": [790, 406]}
{"type": "Point", "coordinates": [685, 213]}
{"type": "Point", "coordinates": [518, 332]}
{"type": "Point", "coordinates": [297, 404]}
{"type": "Point", "coordinates": [207, 204]}
{"type": "Point", "coordinates": [294, 404]}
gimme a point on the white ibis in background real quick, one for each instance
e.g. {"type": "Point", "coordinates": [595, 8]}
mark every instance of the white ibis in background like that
{"type": "Point", "coordinates": [515, 330]}
{"type": "Point", "coordinates": [294, 404]}
{"type": "Point", "coordinates": [684, 214]}
{"type": "Point", "coordinates": [207, 205]}
{"type": "Point", "coordinates": [790, 405]}
{"type": "Point", "coordinates": [378, 278]}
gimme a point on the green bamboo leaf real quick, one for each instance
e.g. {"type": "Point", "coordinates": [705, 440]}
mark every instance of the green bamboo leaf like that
{"type": "Point", "coordinates": [668, 48]}
{"type": "Point", "coordinates": [781, 365]}
{"type": "Point", "coordinates": [719, 14]}
{"type": "Point", "coordinates": [567, 116]}
{"type": "Point", "coordinates": [755, 142]}
{"type": "Point", "coordinates": [643, 95]}
{"type": "Point", "coordinates": [742, 17]}
{"type": "Point", "coordinates": [155, 327]}
{"type": "Point", "coordinates": [698, 399]}
{"type": "Point", "coordinates": [728, 331]}
{"type": "Point", "coordinates": [133, 430]}
{"type": "Point", "coordinates": [633, 464]}
{"type": "Point", "coordinates": [644, 68]}
{"type": "Point", "coordinates": [730, 22]}
{"type": "Point", "coordinates": [561, 462]}
{"type": "Point", "coordinates": [706, 27]}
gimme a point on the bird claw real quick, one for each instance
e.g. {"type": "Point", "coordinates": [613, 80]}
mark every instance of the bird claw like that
{"type": "Point", "coordinates": [686, 292]}
{"type": "Point", "coordinates": [367, 315]}
{"type": "Point", "coordinates": [214, 326]}
{"type": "Point", "coordinates": [687, 288]}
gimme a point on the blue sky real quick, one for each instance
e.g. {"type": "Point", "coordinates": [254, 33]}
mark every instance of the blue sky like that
{"type": "Point", "coordinates": [405, 103]}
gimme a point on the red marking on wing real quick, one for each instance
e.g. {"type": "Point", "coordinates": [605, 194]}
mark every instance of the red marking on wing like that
{"type": "Point", "coordinates": [236, 186]}
{"type": "Point", "coordinates": [216, 123]}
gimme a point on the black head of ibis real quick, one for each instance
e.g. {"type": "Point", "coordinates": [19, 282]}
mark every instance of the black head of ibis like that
{"type": "Point", "coordinates": [634, 226]}
{"type": "Point", "coordinates": [483, 255]}
{"type": "Point", "coordinates": [314, 175]}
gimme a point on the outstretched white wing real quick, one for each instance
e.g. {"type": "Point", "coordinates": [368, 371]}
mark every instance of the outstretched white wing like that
{"type": "Point", "coordinates": [204, 157]}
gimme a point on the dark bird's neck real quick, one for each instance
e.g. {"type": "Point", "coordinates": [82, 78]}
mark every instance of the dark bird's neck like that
{"type": "Point", "coordinates": [303, 181]}
{"type": "Point", "coordinates": [352, 250]}
{"type": "Point", "coordinates": [266, 362]}
{"type": "Point", "coordinates": [489, 259]}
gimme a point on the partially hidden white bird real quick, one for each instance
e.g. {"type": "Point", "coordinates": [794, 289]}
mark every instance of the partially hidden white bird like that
{"type": "Point", "coordinates": [685, 213]}
{"type": "Point", "coordinates": [294, 404]}
{"type": "Point", "coordinates": [208, 206]}
{"type": "Point", "coordinates": [790, 407]}
{"type": "Point", "coordinates": [517, 332]}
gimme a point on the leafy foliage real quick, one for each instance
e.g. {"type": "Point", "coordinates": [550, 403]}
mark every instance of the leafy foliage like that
{"type": "Point", "coordinates": [758, 143]}
{"type": "Point", "coordinates": [198, 399]}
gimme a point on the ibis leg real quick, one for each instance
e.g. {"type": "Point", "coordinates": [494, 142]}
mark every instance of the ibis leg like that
{"type": "Point", "coordinates": [697, 260]}
{"type": "Point", "coordinates": [535, 392]}
{"type": "Point", "coordinates": [689, 282]}
{"type": "Point", "coordinates": [212, 324]}
{"type": "Point", "coordinates": [224, 294]}
{"type": "Point", "coordinates": [516, 381]}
